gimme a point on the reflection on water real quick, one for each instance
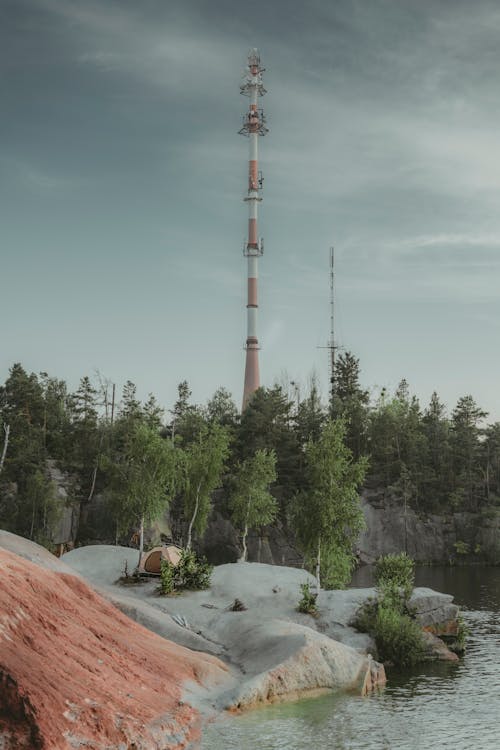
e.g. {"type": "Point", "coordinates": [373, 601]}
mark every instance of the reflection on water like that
{"type": "Point", "coordinates": [432, 706]}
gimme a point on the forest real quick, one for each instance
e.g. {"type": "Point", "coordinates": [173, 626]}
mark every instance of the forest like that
{"type": "Point", "coordinates": [142, 459]}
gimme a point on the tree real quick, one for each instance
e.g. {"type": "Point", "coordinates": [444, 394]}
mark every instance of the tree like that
{"type": "Point", "coordinates": [203, 465]}
{"type": "Point", "coordinates": [437, 472]}
{"type": "Point", "coordinates": [267, 423]}
{"type": "Point", "coordinates": [221, 408]}
{"type": "Point", "coordinates": [328, 514]}
{"type": "Point", "coordinates": [153, 413]}
{"type": "Point", "coordinates": [144, 480]}
{"type": "Point", "coordinates": [310, 415]}
{"type": "Point", "coordinates": [466, 446]}
{"type": "Point", "coordinates": [252, 504]}
{"type": "Point", "coordinates": [349, 401]}
{"type": "Point", "coordinates": [490, 461]}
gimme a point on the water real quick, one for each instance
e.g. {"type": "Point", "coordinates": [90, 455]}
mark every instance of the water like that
{"type": "Point", "coordinates": [438, 705]}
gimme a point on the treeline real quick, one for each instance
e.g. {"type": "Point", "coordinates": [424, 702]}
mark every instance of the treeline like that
{"type": "Point", "coordinates": [431, 460]}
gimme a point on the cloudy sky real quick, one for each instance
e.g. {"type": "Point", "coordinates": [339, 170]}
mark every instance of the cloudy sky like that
{"type": "Point", "coordinates": [122, 177]}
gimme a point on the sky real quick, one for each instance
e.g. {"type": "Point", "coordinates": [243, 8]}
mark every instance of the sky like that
{"type": "Point", "coordinates": [122, 177]}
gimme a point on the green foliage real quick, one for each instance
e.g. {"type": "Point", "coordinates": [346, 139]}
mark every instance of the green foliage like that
{"type": "Point", "coordinates": [267, 424]}
{"type": "Point", "coordinates": [167, 573]}
{"type": "Point", "coordinates": [398, 637]}
{"type": "Point", "coordinates": [203, 463]}
{"type": "Point", "coordinates": [327, 516]}
{"type": "Point", "coordinates": [337, 565]}
{"type": "Point", "coordinates": [144, 478]}
{"type": "Point", "coordinates": [349, 401]}
{"type": "Point", "coordinates": [461, 548]}
{"type": "Point", "coordinates": [307, 604]}
{"type": "Point", "coordinates": [395, 572]}
{"type": "Point", "coordinates": [191, 573]}
{"type": "Point", "coordinates": [460, 643]}
{"type": "Point", "coordinates": [251, 503]}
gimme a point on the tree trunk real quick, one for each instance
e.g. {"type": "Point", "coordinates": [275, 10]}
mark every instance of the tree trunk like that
{"type": "Point", "coordinates": [243, 557]}
{"type": "Point", "coordinates": [33, 519]}
{"type": "Point", "coordinates": [191, 523]}
{"type": "Point", "coordinates": [318, 565]}
{"type": "Point", "coordinates": [6, 429]}
{"type": "Point", "coordinates": [141, 540]}
{"type": "Point", "coordinates": [92, 486]}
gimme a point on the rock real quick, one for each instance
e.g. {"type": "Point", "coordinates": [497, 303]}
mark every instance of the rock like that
{"type": "Point", "coordinates": [33, 552]}
{"type": "Point", "coordinates": [74, 671]}
{"type": "Point", "coordinates": [277, 653]}
{"type": "Point", "coordinates": [435, 612]}
{"type": "Point", "coordinates": [437, 650]}
{"type": "Point", "coordinates": [426, 538]}
{"type": "Point", "coordinates": [285, 661]}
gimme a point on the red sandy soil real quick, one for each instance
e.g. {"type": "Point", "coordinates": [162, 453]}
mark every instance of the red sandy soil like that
{"type": "Point", "coordinates": [75, 672]}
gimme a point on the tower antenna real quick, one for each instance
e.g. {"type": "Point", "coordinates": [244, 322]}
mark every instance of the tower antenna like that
{"type": "Point", "coordinates": [254, 124]}
{"type": "Point", "coordinates": [331, 343]}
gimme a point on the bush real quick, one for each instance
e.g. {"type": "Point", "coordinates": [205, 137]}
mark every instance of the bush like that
{"type": "Point", "coordinates": [191, 573]}
{"type": "Point", "coordinates": [307, 604]}
{"type": "Point", "coordinates": [398, 637]}
{"type": "Point", "coordinates": [460, 643]}
{"type": "Point", "coordinates": [387, 619]}
{"type": "Point", "coordinates": [166, 577]}
{"type": "Point", "coordinates": [395, 573]}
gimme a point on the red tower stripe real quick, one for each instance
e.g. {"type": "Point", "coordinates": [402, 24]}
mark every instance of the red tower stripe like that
{"type": "Point", "coordinates": [252, 292]}
{"type": "Point", "coordinates": [252, 231]}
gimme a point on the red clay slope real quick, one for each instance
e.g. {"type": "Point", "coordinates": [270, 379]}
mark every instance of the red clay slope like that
{"type": "Point", "coordinates": [75, 672]}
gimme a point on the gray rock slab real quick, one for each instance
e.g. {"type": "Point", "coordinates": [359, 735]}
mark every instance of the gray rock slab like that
{"type": "Point", "coordinates": [101, 564]}
{"type": "Point", "coordinates": [33, 552]}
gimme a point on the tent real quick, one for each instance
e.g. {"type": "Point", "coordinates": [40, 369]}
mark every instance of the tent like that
{"type": "Point", "coordinates": [151, 560]}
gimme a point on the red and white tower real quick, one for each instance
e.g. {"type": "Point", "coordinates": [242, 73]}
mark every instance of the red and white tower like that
{"type": "Point", "coordinates": [254, 124]}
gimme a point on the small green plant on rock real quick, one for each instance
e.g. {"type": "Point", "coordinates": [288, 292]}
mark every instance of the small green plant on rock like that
{"type": "Point", "coordinates": [166, 577]}
{"type": "Point", "coordinates": [191, 573]}
{"type": "Point", "coordinates": [461, 548]}
{"type": "Point", "coordinates": [397, 635]}
{"type": "Point", "coordinates": [307, 604]}
{"type": "Point", "coordinates": [395, 573]}
{"type": "Point", "coordinates": [460, 643]}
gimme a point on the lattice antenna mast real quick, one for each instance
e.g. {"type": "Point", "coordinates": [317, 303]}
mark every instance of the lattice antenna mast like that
{"type": "Point", "coordinates": [331, 343]}
{"type": "Point", "coordinates": [254, 125]}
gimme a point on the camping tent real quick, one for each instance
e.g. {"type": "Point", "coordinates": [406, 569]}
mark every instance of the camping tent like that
{"type": "Point", "coordinates": [151, 560]}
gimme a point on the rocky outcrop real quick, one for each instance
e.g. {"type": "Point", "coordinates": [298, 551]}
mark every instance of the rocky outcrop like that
{"type": "Point", "coordinates": [76, 672]}
{"type": "Point", "coordinates": [454, 538]}
{"type": "Point", "coordinates": [435, 612]}
{"type": "Point", "coordinates": [276, 652]}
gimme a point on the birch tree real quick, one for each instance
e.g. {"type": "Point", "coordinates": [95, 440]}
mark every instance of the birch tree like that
{"type": "Point", "coordinates": [144, 480]}
{"type": "Point", "coordinates": [203, 465]}
{"type": "Point", "coordinates": [328, 515]}
{"type": "Point", "coordinates": [252, 504]}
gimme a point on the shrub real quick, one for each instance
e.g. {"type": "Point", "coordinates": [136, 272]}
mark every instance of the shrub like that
{"type": "Point", "coordinates": [398, 637]}
{"type": "Point", "coordinates": [307, 604]}
{"type": "Point", "coordinates": [461, 548]}
{"type": "Point", "coordinates": [166, 577]}
{"type": "Point", "coordinates": [191, 573]}
{"type": "Point", "coordinates": [395, 573]}
{"type": "Point", "coordinates": [460, 642]}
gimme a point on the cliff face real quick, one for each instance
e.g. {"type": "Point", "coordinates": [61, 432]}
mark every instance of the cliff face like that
{"type": "Point", "coordinates": [74, 671]}
{"type": "Point", "coordinates": [453, 538]}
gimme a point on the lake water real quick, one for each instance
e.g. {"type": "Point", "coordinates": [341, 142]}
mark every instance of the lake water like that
{"type": "Point", "coordinates": [432, 706]}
